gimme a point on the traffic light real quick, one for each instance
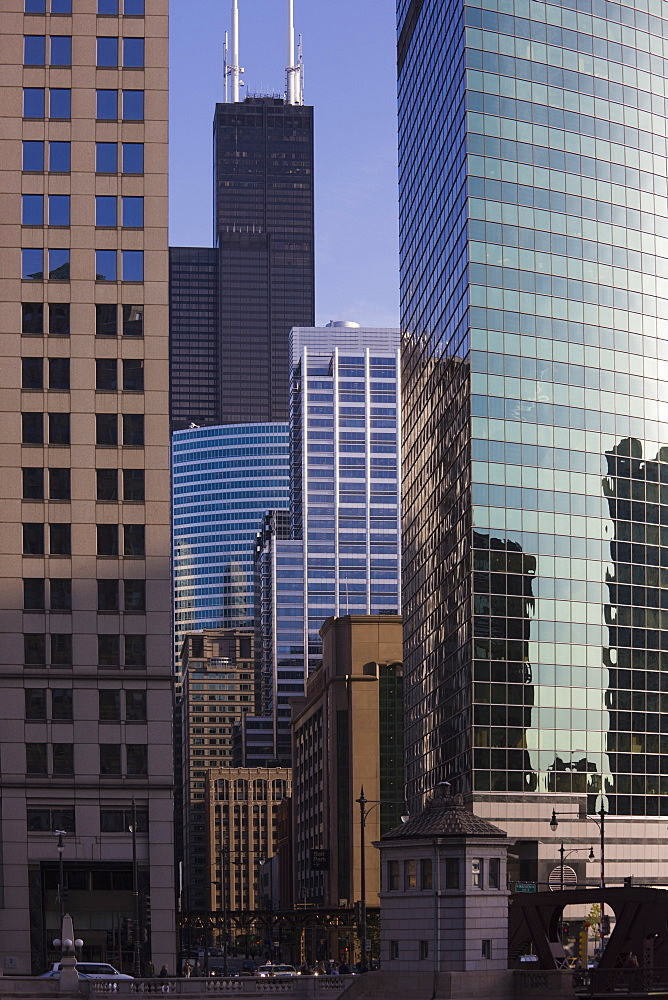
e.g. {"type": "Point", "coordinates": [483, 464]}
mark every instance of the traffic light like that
{"type": "Point", "coordinates": [127, 930]}
{"type": "Point", "coordinates": [566, 930]}
{"type": "Point", "coordinates": [605, 924]}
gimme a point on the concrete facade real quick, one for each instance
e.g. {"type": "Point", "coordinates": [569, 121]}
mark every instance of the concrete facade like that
{"type": "Point", "coordinates": [84, 529]}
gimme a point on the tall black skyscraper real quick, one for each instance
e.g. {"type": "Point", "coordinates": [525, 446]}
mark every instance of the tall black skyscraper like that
{"type": "Point", "coordinates": [232, 306]}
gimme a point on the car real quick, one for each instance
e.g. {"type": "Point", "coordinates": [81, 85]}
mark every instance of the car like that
{"type": "Point", "coordinates": [277, 971]}
{"type": "Point", "coordinates": [88, 970]}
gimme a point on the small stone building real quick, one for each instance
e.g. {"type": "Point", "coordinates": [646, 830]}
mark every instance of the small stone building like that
{"type": "Point", "coordinates": [444, 901]}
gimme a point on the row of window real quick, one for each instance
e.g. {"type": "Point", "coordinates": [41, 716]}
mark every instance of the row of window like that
{"type": "Point", "coordinates": [106, 379]}
{"type": "Point", "coordinates": [60, 51]}
{"type": "Point", "coordinates": [59, 104]}
{"type": "Point", "coordinates": [110, 319]}
{"type": "Point", "coordinates": [110, 8]}
{"type": "Point", "coordinates": [59, 158]}
{"type": "Point", "coordinates": [108, 540]}
{"type": "Point", "coordinates": [111, 821]}
{"type": "Point", "coordinates": [453, 874]}
{"type": "Point", "coordinates": [106, 265]}
{"type": "Point", "coordinates": [59, 434]}
{"type": "Point", "coordinates": [59, 485]}
{"type": "Point", "coordinates": [61, 701]}
{"type": "Point", "coordinates": [106, 211]}
{"type": "Point", "coordinates": [60, 595]}
{"type": "Point", "coordinates": [44, 759]}
{"type": "Point", "coordinates": [60, 650]}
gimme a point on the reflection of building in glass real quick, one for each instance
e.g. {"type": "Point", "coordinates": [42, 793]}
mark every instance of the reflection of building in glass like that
{"type": "Point", "coordinates": [194, 337]}
{"type": "Point", "coordinates": [533, 309]}
{"type": "Point", "coordinates": [224, 480]}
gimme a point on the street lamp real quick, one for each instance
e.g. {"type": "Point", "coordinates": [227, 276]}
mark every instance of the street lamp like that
{"type": "Point", "coordinates": [600, 822]}
{"type": "Point", "coordinates": [364, 812]}
{"type": "Point", "coordinates": [135, 891]}
{"type": "Point", "coordinates": [61, 876]}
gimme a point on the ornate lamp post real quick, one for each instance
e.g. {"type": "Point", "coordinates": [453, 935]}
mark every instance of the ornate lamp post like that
{"type": "Point", "coordinates": [364, 812]}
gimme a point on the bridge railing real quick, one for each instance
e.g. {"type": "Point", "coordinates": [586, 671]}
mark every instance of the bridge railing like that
{"type": "Point", "coordinates": [242, 986]}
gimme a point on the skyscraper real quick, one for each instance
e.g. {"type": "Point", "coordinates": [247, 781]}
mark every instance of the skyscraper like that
{"type": "Point", "coordinates": [193, 331]}
{"type": "Point", "coordinates": [84, 509]}
{"type": "Point", "coordinates": [533, 202]}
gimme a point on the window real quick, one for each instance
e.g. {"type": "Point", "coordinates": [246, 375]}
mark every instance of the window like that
{"type": "Point", "coordinates": [62, 704]}
{"type": "Point", "coordinates": [410, 875]}
{"type": "Point", "coordinates": [110, 705]}
{"type": "Point", "coordinates": [494, 878]}
{"type": "Point", "coordinates": [135, 706]}
{"type": "Point", "coordinates": [392, 875]}
{"type": "Point", "coordinates": [59, 374]}
{"type": "Point", "coordinates": [107, 485]}
{"type": "Point", "coordinates": [60, 103]}
{"type": "Point", "coordinates": [32, 210]}
{"type": "Point", "coordinates": [133, 375]}
{"type": "Point", "coordinates": [33, 539]}
{"type": "Point", "coordinates": [33, 594]}
{"type": "Point", "coordinates": [33, 483]}
{"type": "Point", "coordinates": [120, 820]}
{"type": "Point", "coordinates": [105, 265]}
{"type": "Point", "coordinates": [35, 700]}
{"type": "Point", "coordinates": [133, 8]}
{"type": "Point", "coordinates": [107, 595]}
{"type": "Point", "coordinates": [106, 374]}
{"type": "Point", "coordinates": [60, 157]}
{"type": "Point", "coordinates": [133, 485]}
{"type": "Point", "coordinates": [133, 53]}
{"type": "Point", "coordinates": [31, 373]}
{"type": "Point", "coordinates": [59, 210]}
{"type": "Point", "coordinates": [106, 429]}
{"type": "Point", "coordinates": [106, 320]}
{"type": "Point", "coordinates": [394, 948]}
{"type": "Point", "coordinates": [34, 50]}
{"type": "Point", "coordinates": [426, 874]}
{"type": "Point", "coordinates": [61, 7]}
{"type": "Point", "coordinates": [32, 317]}
{"type": "Point", "coordinates": [486, 948]}
{"type": "Point", "coordinates": [59, 319]}
{"type": "Point", "coordinates": [33, 102]}
{"type": "Point", "coordinates": [106, 157]}
{"type": "Point", "coordinates": [34, 649]}
{"type": "Point", "coordinates": [133, 212]}
{"type": "Point", "coordinates": [60, 539]}
{"type": "Point", "coordinates": [61, 51]}
{"type": "Point", "coordinates": [59, 265]}
{"type": "Point", "coordinates": [452, 873]}
{"type": "Point", "coordinates": [35, 6]}
{"type": "Point", "coordinates": [133, 265]}
{"type": "Point", "coordinates": [476, 872]}
{"type": "Point", "coordinates": [133, 430]}
{"type": "Point", "coordinates": [137, 759]}
{"type": "Point", "coordinates": [32, 428]}
{"type": "Point", "coordinates": [107, 7]}
{"type": "Point", "coordinates": [61, 650]}
{"type": "Point", "coordinates": [133, 105]}
{"type": "Point", "coordinates": [134, 595]}
{"type": "Point", "coordinates": [36, 758]}
{"type": "Point", "coordinates": [424, 950]}
{"type": "Point", "coordinates": [32, 265]}
{"type": "Point", "coordinates": [105, 211]}
{"type": "Point", "coordinates": [107, 539]}
{"type": "Point", "coordinates": [50, 820]}
{"type": "Point", "coordinates": [63, 758]}
{"type": "Point", "coordinates": [59, 484]}
{"type": "Point", "coordinates": [108, 651]}
{"type": "Point", "coordinates": [59, 428]}
{"type": "Point", "coordinates": [133, 321]}
{"type": "Point", "coordinates": [107, 105]}
{"type": "Point", "coordinates": [110, 759]}
{"type": "Point", "coordinates": [133, 154]}
{"type": "Point", "coordinates": [61, 594]}
{"type": "Point", "coordinates": [33, 155]}
{"type": "Point", "coordinates": [134, 542]}
{"type": "Point", "coordinates": [107, 55]}
{"type": "Point", "coordinates": [135, 650]}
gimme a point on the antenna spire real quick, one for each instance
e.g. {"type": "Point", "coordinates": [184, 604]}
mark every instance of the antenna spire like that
{"type": "Point", "coordinates": [233, 69]}
{"type": "Point", "coordinates": [293, 72]}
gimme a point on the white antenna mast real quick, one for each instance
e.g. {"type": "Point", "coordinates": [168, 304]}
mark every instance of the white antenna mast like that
{"type": "Point", "coordinates": [293, 84]}
{"type": "Point", "coordinates": [235, 69]}
{"type": "Point", "coordinates": [300, 73]}
{"type": "Point", "coordinates": [225, 69]}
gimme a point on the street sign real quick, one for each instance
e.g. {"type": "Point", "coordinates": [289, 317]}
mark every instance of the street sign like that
{"type": "Point", "coordinates": [319, 859]}
{"type": "Point", "coordinates": [367, 945]}
{"type": "Point", "coordinates": [525, 887]}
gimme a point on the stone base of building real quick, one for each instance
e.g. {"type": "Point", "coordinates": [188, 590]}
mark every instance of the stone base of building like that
{"type": "Point", "coordinates": [501, 984]}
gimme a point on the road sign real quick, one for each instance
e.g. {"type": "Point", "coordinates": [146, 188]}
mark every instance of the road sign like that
{"type": "Point", "coordinates": [525, 887]}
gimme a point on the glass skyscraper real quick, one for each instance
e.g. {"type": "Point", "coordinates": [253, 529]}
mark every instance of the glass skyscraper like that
{"type": "Point", "coordinates": [225, 479]}
{"type": "Point", "coordinates": [534, 232]}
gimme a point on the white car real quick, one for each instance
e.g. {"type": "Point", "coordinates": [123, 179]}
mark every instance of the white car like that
{"type": "Point", "coordinates": [277, 971]}
{"type": "Point", "coordinates": [88, 970]}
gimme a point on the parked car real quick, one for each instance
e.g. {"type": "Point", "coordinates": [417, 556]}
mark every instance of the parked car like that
{"type": "Point", "coordinates": [277, 971]}
{"type": "Point", "coordinates": [88, 970]}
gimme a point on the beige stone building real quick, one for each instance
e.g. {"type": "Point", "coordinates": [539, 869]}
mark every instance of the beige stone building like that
{"type": "Point", "coordinates": [347, 734]}
{"type": "Point", "coordinates": [85, 598]}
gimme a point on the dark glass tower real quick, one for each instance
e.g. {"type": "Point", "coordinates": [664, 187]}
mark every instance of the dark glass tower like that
{"type": "Point", "coordinates": [534, 207]}
{"type": "Point", "coordinates": [193, 331]}
{"type": "Point", "coordinates": [263, 218]}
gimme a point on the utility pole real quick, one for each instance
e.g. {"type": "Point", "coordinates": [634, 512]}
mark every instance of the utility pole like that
{"type": "Point", "coordinates": [135, 892]}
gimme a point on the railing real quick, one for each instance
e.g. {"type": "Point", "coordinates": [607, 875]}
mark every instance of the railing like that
{"type": "Point", "coordinates": [603, 982]}
{"type": "Point", "coordinates": [242, 986]}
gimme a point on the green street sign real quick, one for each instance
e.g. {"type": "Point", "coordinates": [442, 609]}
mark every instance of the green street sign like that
{"type": "Point", "coordinates": [525, 887]}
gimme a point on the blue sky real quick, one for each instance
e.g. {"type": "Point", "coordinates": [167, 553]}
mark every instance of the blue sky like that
{"type": "Point", "coordinates": [350, 78]}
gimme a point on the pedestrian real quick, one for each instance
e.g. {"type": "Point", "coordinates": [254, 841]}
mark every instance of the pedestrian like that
{"type": "Point", "coordinates": [187, 969]}
{"type": "Point", "coordinates": [344, 969]}
{"type": "Point", "coordinates": [197, 969]}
